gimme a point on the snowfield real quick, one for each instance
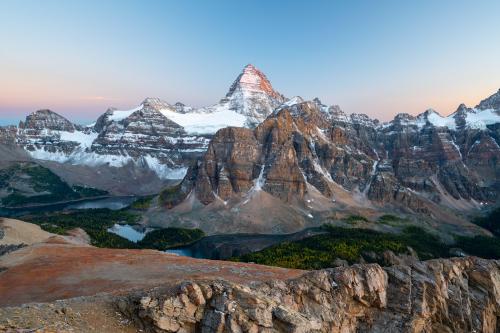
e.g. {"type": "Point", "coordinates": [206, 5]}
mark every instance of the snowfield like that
{"type": "Point", "coordinates": [83, 139]}
{"type": "Point", "coordinates": [205, 122]}
{"type": "Point", "coordinates": [435, 119]}
{"type": "Point", "coordinates": [81, 157]}
{"type": "Point", "coordinates": [119, 115]}
{"type": "Point", "coordinates": [480, 119]}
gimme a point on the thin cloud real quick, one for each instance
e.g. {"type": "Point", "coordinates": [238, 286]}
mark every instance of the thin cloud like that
{"type": "Point", "coordinates": [98, 98]}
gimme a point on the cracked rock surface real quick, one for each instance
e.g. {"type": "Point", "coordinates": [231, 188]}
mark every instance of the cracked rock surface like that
{"type": "Point", "coordinates": [442, 295]}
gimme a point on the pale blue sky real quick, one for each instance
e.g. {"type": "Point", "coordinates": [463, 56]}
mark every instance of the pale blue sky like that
{"type": "Point", "coordinates": [373, 57]}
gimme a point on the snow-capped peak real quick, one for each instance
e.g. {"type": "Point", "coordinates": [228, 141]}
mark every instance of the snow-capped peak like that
{"type": "Point", "coordinates": [253, 80]}
{"type": "Point", "coordinates": [429, 111]}
{"type": "Point", "coordinates": [492, 102]}
{"type": "Point", "coordinates": [433, 117]}
{"type": "Point", "coordinates": [157, 103]}
{"type": "Point", "coordinates": [250, 99]}
{"type": "Point", "coordinates": [478, 118]}
{"type": "Point", "coordinates": [118, 115]}
{"type": "Point", "coordinates": [251, 96]}
{"type": "Point", "coordinates": [113, 115]}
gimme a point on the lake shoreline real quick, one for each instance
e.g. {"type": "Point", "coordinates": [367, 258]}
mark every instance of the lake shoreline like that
{"type": "Point", "coordinates": [61, 202]}
{"type": "Point", "coordinates": [97, 202]}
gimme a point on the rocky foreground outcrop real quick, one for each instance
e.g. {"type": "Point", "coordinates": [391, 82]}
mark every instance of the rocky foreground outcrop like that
{"type": "Point", "coordinates": [63, 285]}
{"type": "Point", "coordinates": [444, 295]}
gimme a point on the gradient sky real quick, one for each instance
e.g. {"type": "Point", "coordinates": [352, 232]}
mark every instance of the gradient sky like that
{"type": "Point", "coordinates": [375, 57]}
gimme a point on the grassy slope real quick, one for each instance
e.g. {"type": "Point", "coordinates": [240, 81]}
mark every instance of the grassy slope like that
{"type": "Point", "coordinates": [490, 222]}
{"type": "Point", "coordinates": [47, 186]}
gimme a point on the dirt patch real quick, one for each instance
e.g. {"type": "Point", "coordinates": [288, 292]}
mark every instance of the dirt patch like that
{"type": "Point", "coordinates": [47, 272]}
{"type": "Point", "coordinates": [19, 232]}
{"type": "Point", "coordinates": [92, 314]}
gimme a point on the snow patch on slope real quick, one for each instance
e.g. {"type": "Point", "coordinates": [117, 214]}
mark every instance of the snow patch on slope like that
{"type": "Point", "coordinates": [481, 119]}
{"type": "Point", "coordinates": [119, 115]}
{"type": "Point", "coordinates": [83, 139]}
{"type": "Point", "coordinates": [257, 186]}
{"type": "Point", "coordinates": [474, 118]}
{"type": "Point", "coordinates": [205, 122]}
{"type": "Point", "coordinates": [260, 180]}
{"type": "Point", "coordinates": [291, 102]}
{"type": "Point", "coordinates": [81, 157]}
{"type": "Point", "coordinates": [438, 121]}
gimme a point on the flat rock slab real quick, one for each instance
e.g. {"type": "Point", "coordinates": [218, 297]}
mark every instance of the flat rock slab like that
{"type": "Point", "coordinates": [15, 232]}
{"type": "Point", "coordinates": [50, 271]}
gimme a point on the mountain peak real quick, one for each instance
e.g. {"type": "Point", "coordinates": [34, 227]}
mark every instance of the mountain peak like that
{"type": "Point", "coordinates": [250, 95]}
{"type": "Point", "coordinates": [429, 112]}
{"type": "Point", "coordinates": [461, 111]}
{"type": "Point", "coordinates": [156, 103]}
{"type": "Point", "coordinates": [251, 79]}
{"type": "Point", "coordinates": [492, 102]}
{"type": "Point", "coordinates": [44, 112]}
{"type": "Point", "coordinates": [47, 119]}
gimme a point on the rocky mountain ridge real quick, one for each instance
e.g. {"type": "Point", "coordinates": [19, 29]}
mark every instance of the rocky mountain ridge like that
{"type": "Point", "coordinates": [156, 135]}
{"type": "Point", "coordinates": [306, 152]}
{"type": "Point", "coordinates": [256, 142]}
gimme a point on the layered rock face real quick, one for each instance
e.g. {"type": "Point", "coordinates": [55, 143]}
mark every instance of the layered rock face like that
{"type": "Point", "coordinates": [455, 155]}
{"type": "Point", "coordinates": [412, 162]}
{"type": "Point", "coordinates": [281, 156]}
{"type": "Point", "coordinates": [296, 148]}
{"type": "Point", "coordinates": [8, 135]}
{"type": "Point", "coordinates": [143, 136]}
{"type": "Point", "coordinates": [455, 295]}
{"type": "Point", "coordinates": [147, 136]}
{"type": "Point", "coordinates": [46, 120]}
{"type": "Point", "coordinates": [492, 102]}
{"type": "Point", "coordinates": [45, 133]}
